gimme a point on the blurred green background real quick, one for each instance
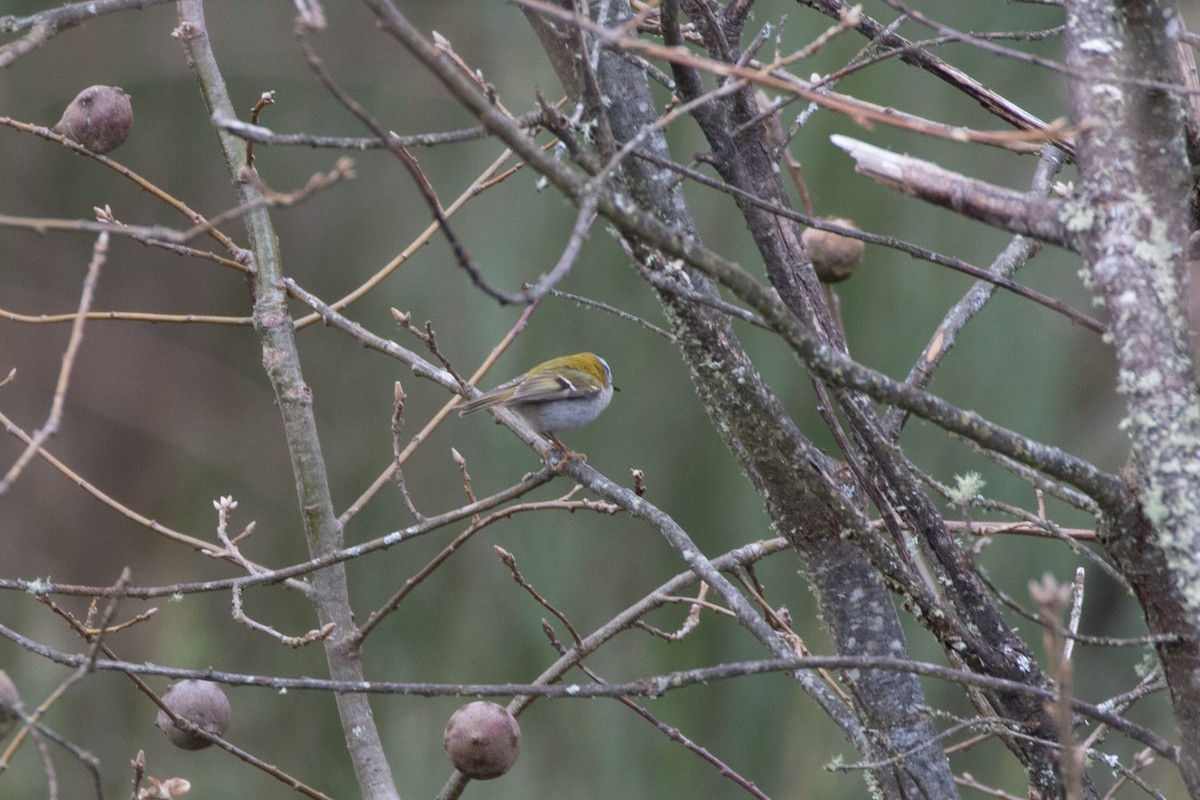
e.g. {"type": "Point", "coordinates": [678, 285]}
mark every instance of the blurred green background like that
{"type": "Point", "coordinates": [168, 417]}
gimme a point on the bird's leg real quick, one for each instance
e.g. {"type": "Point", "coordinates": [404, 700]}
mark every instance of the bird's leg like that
{"type": "Point", "coordinates": [559, 447]}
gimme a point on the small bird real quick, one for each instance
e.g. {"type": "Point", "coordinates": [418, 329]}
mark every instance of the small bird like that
{"type": "Point", "coordinates": [557, 395]}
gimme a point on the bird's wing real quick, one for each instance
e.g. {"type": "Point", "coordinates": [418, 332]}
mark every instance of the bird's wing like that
{"type": "Point", "coordinates": [564, 383]}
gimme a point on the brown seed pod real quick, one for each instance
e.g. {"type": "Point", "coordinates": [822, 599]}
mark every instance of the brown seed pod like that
{"type": "Point", "coordinates": [202, 703]}
{"type": "Point", "coordinates": [10, 700]}
{"type": "Point", "coordinates": [482, 739]}
{"type": "Point", "coordinates": [834, 257]}
{"type": "Point", "coordinates": [99, 118]}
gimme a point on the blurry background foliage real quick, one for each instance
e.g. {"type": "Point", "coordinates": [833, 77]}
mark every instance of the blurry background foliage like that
{"type": "Point", "coordinates": [168, 417]}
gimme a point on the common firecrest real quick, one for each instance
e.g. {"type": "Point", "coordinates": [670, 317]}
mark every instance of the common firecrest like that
{"type": "Point", "coordinates": [557, 395]}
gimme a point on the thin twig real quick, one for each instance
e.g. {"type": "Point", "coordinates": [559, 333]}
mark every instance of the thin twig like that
{"type": "Point", "coordinates": [85, 663]}
{"type": "Point", "coordinates": [491, 176]}
{"type": "Point", "coordinates": [194, 216]}
{"type": "Point", "coordinates": [924, 254]}
{"type": "Point", "coordinates": [398, 397]}
{"type": "Point", "coordinates": [42, 588]}
{"type": "Point", "coordinates": [50, 427]}
{"type": "Point", "coordinates": [477, 524]}
{"type": "Point", "coordinates": [690, 622]}
{"type": "Point", "coordinates": [45, 25]}
{"type": "Point", "coordinates": [437, 418]}
{"type": "Point", "coordinates": [510, 561]}
{"type": "Point", "coordinates": [226, 506]}
{"type": "Point", "coordinates": [672, 733]}
{"type": "Point", "coordinates": [859, 111]}
{"type": "Point", "coordinates": [649, 686]}
{"type": "Point", "coordinates": [1020, 55]}
{"type": "Point", "coordinates": [201, 546]}
{"type": "Point", "coordinates": [1015, 256]}
{"type": "Point", "coordinates": [410, 164]}
{"type": "Point", "coordinates": [584, 219]}
{"type": "Point", "coordinates": [1076, 615]}
{"type": "Point", "coordinates": [263, 135]}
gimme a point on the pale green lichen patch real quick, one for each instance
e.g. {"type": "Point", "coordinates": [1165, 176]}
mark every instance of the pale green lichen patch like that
{"type": "Point", "coordinates": [1155, 509]}
{"type": "Point", "coordinates": [38, 586]}
{"type": "Point", "coordinates": [966, 488]}
{"type": "Point", "coordinates": [1149, 382]}
{"type": "Point", "coordinates": [1157, 248]}
{"type": "Point", "coordinates": [1136, 273]}
{"type": "Point", "coordinates": [1078, 215]}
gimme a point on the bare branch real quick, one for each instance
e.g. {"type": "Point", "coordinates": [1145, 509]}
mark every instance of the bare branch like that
{"type": "Point", "coordinates": [1016, 212]}
{"type": "Point", "coordinates": [45, 25]}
